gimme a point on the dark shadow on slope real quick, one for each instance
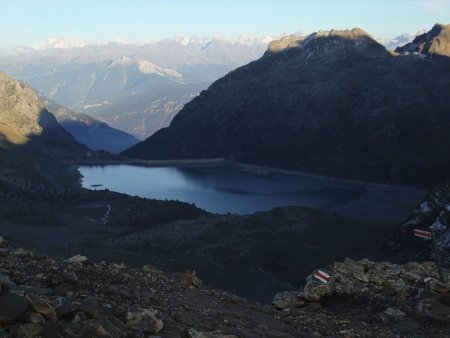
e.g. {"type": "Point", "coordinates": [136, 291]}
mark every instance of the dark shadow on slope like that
{"type": "Point", "coordinates": [337, 107]}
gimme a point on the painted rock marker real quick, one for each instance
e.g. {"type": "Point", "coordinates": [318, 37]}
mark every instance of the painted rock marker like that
{"type": "Point", "coordinates": [422, 234]}
{"type": "Point", "coordinates": [431, 235]}
{"type": "Point", "coordinates": [322, 276]}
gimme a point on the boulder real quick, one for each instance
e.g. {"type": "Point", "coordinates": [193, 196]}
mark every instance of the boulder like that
{"type": "Point", "coordinates": [192, 333]}
{"type": "Point", "coordinates": [23, 253]}
{"type": "Point", "coordinates": [350, 267]}
{"type": "Point", "coordinates": [12, 308]}
{"type": "Point", "coordinates": [3, 244]}
{"type": "Point", "coordinates": [117, 267]}
{"type": "Point", "coordinates": [90, 307]}
{"type": "Point", "coordinates": [439, 287]}
{"type": "Point", "coordinates": [431, 308]}
{"type": "Point", "coordinates": [26, 330]}
{"type": "Point", "coordinates": [58, 330]}
{"type": "Point", "coordinates": [143, 319]}
{"type": "Point", "coordinates": [63, 307]}
{"type": "Point", "coordinates": [6, 282]}
{"type": "Point", "coordinates": [69, 276]}
{"type": "Point", "coordinates": [35, 318]}
{"type": "Point", "coordinates": [188, 279]}
{"type": "Point", "coordinates": [286, 300]}
{"type": "Point", "coordinates": [394, 314]}
{"type": "Point", "coordinates": [42, 306]}
{"type": "Point", "coordinates": [103, 327]}
{"type": "Point", "coordinates": [77, 259]}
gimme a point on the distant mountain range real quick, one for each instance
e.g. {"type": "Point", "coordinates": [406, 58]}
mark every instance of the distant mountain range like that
{"type": "Point", "coordinates": [400, 40]}
{"type": "Point", "coordinates": [134, 88]}
{"type": "Point", "coordinates": [335, 103]}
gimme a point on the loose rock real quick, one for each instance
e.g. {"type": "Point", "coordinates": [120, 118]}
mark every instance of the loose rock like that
{"type": "Point", "coordinates": [284, 300]}
{"type": "Point", "coordinates": [143, 319]}
{"type": "Point", "coordinates": [40, 305]}
{"type": "Point", "coordinates": [103, 327]}
{"type": "Point", "coordinates": [26, 330]}
{"type": "Point", "coordinates": [12, 308]}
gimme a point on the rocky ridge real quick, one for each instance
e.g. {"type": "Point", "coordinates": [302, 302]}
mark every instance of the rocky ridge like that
{"type": "Point", "coordinates": [23, 113]}
{"type": "Point", "coordinates": [436, 42]}
{"type": "Point", "coordinates": [361, 297]}
{"type": "Point", "coordinates": [326, 41]}
{"type": "Point", "coordinates": [46, 297]}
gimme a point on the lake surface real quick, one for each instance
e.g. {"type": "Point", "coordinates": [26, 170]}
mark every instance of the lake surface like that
{"type": "Point", "coordinates": [231, 189]}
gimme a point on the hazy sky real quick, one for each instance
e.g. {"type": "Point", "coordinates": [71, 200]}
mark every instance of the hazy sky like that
{"type": "Point", "coordinates": [26, 22]}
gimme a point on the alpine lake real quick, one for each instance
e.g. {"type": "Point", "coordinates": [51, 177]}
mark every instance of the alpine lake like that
{"type": "Point", "coordinates": [239, 190]}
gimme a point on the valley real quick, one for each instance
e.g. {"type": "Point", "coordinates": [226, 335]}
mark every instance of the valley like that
{"type": "Point", "coordinates": [180, 167]}
{"type": "Point", "coordinates": [137, 89]}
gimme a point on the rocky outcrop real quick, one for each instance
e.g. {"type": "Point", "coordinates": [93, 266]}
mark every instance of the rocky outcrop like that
{"type": "Point", "coordinates": [436, 43]}
{"type": "Point", "coordinates": [432, 214]}
{"type": "Point", "coordinates": [111, 300]}
{"type": "Point", "coordinates": [382, 293]}
{"type": "Point", "coordinates": [23, 115]}
{"type": "Point", "coordinates": [361, 299]}
{"type": "Point", "coordinates": [335, 103]}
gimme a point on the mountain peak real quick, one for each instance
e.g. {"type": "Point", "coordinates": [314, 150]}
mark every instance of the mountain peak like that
{"type": "Point", "coordinates": [150, 68]}
{"type": "Point", "coordinates": [355, 33]}
{"type": "Point", "coordinates": [122, 60]}
{"type": "Point", "coordinates": [435, 42]}
{"type": "Point", "coordinates": [329, 42]}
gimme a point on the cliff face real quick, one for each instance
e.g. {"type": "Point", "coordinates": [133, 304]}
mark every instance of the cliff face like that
{"type": "Point", "coordinates": [45, 297]}
{"type": "Point", "coordinates": [334, 103]}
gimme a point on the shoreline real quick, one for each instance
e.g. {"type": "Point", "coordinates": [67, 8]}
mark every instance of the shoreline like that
{"type": "Point", "coordinates": [152, 163]}
{"type": "Point", "coordinates": [329, 178]}
{"type": "Point", "coordinates": [257, 169]}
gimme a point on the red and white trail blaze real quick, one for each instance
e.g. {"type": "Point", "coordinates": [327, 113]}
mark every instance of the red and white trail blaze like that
{"type": "Point", "coordinates": [322, 276]}
{"type": "Point", "coordinates": [422, 233]}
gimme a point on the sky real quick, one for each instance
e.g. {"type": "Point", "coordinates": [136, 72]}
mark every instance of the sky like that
{"type": "Point", "coordinates": [27, 22]}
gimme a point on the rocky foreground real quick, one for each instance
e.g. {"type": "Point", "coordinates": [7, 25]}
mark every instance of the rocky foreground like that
{"type": "Point", "coordinates": [46, 297]}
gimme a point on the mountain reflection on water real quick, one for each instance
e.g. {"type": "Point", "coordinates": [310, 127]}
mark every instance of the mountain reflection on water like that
{"type": "Point", "coordinates": [230, 189]}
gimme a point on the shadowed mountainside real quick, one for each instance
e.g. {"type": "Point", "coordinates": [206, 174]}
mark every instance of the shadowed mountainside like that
{"type": "Point", "coordinates": [334, 103]}
{"type": "Point", "coordinates": [89, 131]}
